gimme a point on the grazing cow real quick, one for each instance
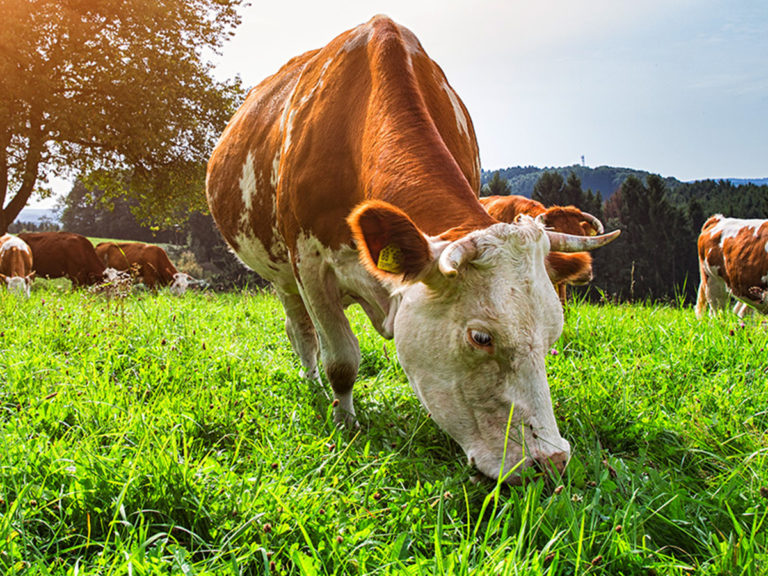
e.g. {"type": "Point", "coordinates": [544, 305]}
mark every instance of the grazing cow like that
{"type": "Point", "coordinates": [349, 176]}
{"type": "Point", "coordinates": [65, 254]}
{"type": "Point", "coordinates": [151, 263]}
{"type": "Point", "coordinates": [563, 269]}
{"type": "Point", "coordinates": [733, 260]}
{"type": "Point", "coordinates": [16, 264]}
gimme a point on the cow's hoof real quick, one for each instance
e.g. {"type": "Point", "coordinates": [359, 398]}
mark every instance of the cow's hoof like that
{"type": "Point", "coordinates": [344, 419]}
{"type": "Point", "coordinates": [313, 374]}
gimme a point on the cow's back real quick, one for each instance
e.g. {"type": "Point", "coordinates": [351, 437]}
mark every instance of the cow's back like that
{"type": "Point", "coordinates": [507, 208]}
{"type": "Point", "coordinates": [58, 254]}
{"type": "Point", "coordinates": [111, 255]}
{"type": "Point", "coordinates": [150, 261]}
{"type": "Point", "coordinates": [317, 138]}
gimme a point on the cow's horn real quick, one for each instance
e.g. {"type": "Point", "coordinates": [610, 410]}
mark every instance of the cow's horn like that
{"type": "Point", "coordinates": [455, 255]}
{"type": "Point", "coordinates": [596, 224]}
{"type": "Point", "coordinates": [559, 242]}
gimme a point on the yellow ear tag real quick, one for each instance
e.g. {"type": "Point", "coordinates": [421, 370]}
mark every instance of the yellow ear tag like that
{"type": "Point", "coordinates": [390, 259]}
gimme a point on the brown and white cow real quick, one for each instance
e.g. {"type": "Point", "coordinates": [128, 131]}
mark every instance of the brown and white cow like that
{"type": "Point", "coordinates": [733, 260]}
{"type": "Point", "coordinates": [349, 176]}
{"type": "Point", "coordinates": [150, 262]}
{"type": "Point", "coordinates": [563, 269]}
{"type": "Point", "coordinates": [65, 254]}
{"type": "Point", "coordinates": [16, 264]}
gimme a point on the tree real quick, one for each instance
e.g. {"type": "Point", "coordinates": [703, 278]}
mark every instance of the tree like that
{"type": "Point", "coordinates": [548, 189]}
{"type": "Point", "coordinates": [572, 194]}
{"type": "Point", "coordinates": [108, 86]}
{"type": "Point", "coordinates": [88, 211]}
{"type": "Point", "coordinates": [655, 256]}
{"type": "Point", "coordinates": [497, 186]}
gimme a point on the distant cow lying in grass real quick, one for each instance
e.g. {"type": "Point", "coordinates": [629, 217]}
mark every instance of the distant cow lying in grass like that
{"type": "Point", "coordinates": [65, 254]}
{"type": "Point", "coordinates": [150, 263]}
{"type": "Point", "coordinates": [16, 264]}
{"type": "Point", "coordinates": [563, 269]}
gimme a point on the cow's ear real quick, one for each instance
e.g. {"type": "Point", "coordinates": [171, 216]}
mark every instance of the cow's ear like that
{"type": "Point", "coordinates": [389, 243]}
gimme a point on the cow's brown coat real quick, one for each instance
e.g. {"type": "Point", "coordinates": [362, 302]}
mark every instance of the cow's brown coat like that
{"type": "Point", "coordinates": [64, 254]}
{"type": "Point", "coordinates": [150, 262]}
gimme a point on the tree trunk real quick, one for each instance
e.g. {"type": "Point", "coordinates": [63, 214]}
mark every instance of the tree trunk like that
{"type": "Point", "coordinates": [10, 212]}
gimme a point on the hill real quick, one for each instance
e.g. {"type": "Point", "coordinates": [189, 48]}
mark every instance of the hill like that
{"type": "Point", "coordinates": [746, 181]}
{"type": "Point", "coordinates": [603, 179]}
{"type": "Point", "coordinates": [38, 215]}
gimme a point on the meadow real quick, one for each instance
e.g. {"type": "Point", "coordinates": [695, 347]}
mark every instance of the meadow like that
{"type": "Point", "coordinates": [159, 435]}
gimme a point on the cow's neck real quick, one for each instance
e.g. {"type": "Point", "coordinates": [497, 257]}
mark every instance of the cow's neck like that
{"type": "Point", "coordinates": [407, 163]}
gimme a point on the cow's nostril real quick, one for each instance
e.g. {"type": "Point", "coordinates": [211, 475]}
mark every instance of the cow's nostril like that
{"type": "Point", "coordinates": [554, 462]}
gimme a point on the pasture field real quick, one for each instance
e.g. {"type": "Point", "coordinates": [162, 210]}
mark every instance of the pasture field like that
{"type": "Point", "coordinates": [160, 435]}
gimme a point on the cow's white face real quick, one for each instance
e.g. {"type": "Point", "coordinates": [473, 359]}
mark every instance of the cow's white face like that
{"type": "Point", "coordinates": [115, 275]}
{"type": "Point", "coordinates": [181, 282]}
{"type": "Point", "coordinates": [473, 346]}
{"type": "Point", "coordinates": [19, 284]}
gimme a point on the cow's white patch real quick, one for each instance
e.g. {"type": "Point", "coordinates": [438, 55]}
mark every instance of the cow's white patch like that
{"type": "Point", "coordinates": [248, 184]}
{"type": "Point", "coordinates": [731, 227]}
{"type": "Point", "coordinates": [288, 130]}
{"type": "Point", "coordinates": [355, 285]}
{"type": "Point", "coordinates": [296, 106]}
{"type": "Point", "coordinates": [255, 256]}
{"type": "Point", "coordinates": [461, 119]}
{"type": "Point", "coordinates": [411, 42]}
{"type": "Point", "coordinates": [274, 179]}
{"type": "Point", "coordinates": [13, 242]}
{"type": "Point", "coordinates": [357, 39]}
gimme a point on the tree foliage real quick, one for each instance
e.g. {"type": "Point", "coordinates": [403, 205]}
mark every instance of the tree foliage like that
{"type": "Point", "coordinates": [91, 212]}
{"type": "Point", "coordinates": [549, 189]}
{"type": "Point", "coordinates": [109, 86]}
{"type": "Point", "coordinates": [655, 256]}
{"type": "Point", "coordinates": [604, 179]}
{"type": "Point", "coordinates": [552, 190]}
{"type": "Point", "coordinates": [496, 186]}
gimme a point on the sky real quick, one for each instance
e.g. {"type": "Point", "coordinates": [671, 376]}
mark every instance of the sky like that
{"type": "Point", "coordinates": [674, 87]}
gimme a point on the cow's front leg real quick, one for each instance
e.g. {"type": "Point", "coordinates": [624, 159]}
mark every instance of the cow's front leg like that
{"type": "Point", "coordinates": [339, 349]}
{"type": "Point", "coordinates": [301, 332]}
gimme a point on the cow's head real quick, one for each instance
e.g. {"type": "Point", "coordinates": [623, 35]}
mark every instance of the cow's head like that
{"type": "Point", "coordinates": [18, 284]}
{"type": "Point", "coordinates": [477, 318]}
{"type": "Point", "coordinates": [570, 220]}
{"type": "Point", "coordinates": [181, 281]}
{"type": "Point", "coordinates": [114, 275]}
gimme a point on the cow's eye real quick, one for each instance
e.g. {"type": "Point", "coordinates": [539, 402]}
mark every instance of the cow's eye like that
{"type": "Point", "coordinates": [480, 339]}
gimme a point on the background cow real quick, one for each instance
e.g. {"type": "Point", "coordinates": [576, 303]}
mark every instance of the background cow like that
{"type": "Point", "coordinates": [65, 254]}
{"type": "Point", "coordinates": [16, 264]}
{"type": "Point", "coordinates": [733, 260]}
{"type": "Point", "coordinates": [349, 176]}
{"type": "Point", "coordinates": [150, 262]}
{"type": "Point", "coordinates": [563, 269]}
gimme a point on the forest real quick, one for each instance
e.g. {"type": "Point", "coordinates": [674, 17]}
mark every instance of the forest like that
{"type": "Point", "coordinates": [655, 258]}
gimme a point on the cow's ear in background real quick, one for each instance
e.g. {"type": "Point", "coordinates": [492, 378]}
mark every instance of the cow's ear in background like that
{"type": "Point", "coordinates": [390, 244]}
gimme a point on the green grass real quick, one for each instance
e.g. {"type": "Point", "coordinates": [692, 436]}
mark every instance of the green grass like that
{"type": "Point", "coordinates": [163, 435]}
